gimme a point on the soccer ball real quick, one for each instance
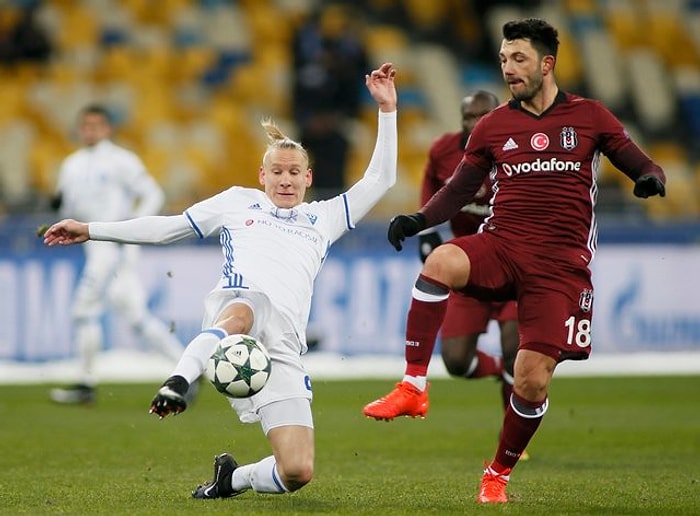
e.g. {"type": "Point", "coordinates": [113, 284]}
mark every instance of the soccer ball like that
{"type": "Point", "coordinates": [239, 367]}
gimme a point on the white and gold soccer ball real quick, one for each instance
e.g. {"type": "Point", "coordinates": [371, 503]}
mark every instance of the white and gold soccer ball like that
{"type": "Point", "coordinates": [239, 367]}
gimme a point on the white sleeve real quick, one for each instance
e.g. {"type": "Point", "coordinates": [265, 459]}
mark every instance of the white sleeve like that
{"type": "Point", "coordinates": [381, 171]}
{"type": "Point", "coordinates": [143, 230]}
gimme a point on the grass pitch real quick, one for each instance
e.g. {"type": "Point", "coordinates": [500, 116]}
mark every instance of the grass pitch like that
{"type": "Point", "coordinates": [606, 446]}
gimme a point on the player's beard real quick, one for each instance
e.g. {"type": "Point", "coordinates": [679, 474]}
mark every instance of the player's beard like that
{"type": "Point", "coordinates": [531, 90]}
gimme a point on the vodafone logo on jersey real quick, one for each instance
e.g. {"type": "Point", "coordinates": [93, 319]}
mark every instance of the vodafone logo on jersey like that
{"type": "Point", "coordinates": [540, 165]}
{"type": "Point", "coordinates": [249, 222]}
{"type": "Point", "coordinates": [539, 141]}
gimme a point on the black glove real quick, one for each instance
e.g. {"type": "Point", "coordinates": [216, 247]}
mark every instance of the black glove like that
{"type": "Point", "coordinates": [428, 242]}
{"type": "Point", "coordinates": [649, 185]}
{"type": "Point", "coordinates": [170, 398]}
{"type": "Point", "coordinates": [403, 226]}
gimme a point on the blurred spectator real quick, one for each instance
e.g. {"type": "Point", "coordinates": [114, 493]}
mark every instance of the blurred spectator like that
{"type": "Point", "coordinates": [330, 63]}
{"type": "Point", "coordinates": [26, 40]}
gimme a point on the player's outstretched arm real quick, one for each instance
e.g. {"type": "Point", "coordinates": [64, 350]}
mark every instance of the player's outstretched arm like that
{"type": "Point", "coordinates": [153, 230]}
{"type": "Point", "coordinates": [66, 232]}
{"type": "Point", "coordinates": [380, 174]}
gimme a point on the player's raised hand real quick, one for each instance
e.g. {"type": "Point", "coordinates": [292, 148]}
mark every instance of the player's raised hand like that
{"type": "Point", "coordinates": [380, 83]}
{"type": "Point", "coordinates": [66, 232]}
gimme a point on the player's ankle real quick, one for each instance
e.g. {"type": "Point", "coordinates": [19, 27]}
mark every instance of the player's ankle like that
{"type": "Point", "coordinates": [419, 382]}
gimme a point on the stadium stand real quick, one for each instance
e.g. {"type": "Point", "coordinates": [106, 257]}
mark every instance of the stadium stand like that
{"type": "Point", "coordinates": [189, 80]}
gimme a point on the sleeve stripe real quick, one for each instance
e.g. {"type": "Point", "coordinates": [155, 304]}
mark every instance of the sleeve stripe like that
{"type": "Point", "coordinates": [194, 226]}
{"type": "Point", "coordinates": [348, 220]}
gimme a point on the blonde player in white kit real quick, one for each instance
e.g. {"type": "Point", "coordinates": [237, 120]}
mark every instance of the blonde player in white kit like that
{"type": "Point", "coordinates": [105, 182]}
{"type": "Point", "coordinates": [274, 245]}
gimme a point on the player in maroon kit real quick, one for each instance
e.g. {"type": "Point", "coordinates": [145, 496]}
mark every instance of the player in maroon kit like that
{"type": "Point", "coordinates": [466, 317]}
{"type": "Point", "coordinates": [542, 150]}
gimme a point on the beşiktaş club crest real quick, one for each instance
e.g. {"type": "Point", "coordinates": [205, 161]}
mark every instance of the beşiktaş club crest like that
{"type": "Point", "coordinates": [568, 138]}
{"type": "Point", "coordinates": [585, 300]}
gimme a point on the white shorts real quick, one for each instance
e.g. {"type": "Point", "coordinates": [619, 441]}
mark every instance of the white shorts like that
{"type": "Point", "coordinates": [217, 300]}
{"type": "Point", "coordinates": [270, 327]}
{"type": "Point", "coordinates": [288, 380]}
{"type": "Point", "coordinates": [295, 411]}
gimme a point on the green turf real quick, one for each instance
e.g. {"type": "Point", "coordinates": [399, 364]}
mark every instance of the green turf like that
{"type": "Point", "coordinates": [607, 446]}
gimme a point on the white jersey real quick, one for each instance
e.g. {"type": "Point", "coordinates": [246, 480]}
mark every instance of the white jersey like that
{"type": "Point", "coordinates": [276, 252]}
{"type": "Point", "coordinates": [293, 241]}
{"type": "Point", "coordinates": [279, 251]}
{"type": "Point", "coordinates": [107, 183]}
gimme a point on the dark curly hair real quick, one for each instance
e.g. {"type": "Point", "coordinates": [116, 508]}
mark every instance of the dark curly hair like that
{"type": "Point", "coordinates": [543, 37]}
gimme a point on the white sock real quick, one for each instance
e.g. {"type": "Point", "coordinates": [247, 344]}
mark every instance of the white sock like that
{"type": "Point", "coordinates": [419, 382]}
{"type": "Point", "coordinates": [193, 361]}
{"type": "Point", "coordinates": [88, 338]}
{"type": "Point", "coordinates": [472, 366]}
{"type": "Point", "coordinates": [492, 471]}
{"type": "Point", "coordinates": [507, 377]}
{"type": "Point", "coordinates": [261, 476]}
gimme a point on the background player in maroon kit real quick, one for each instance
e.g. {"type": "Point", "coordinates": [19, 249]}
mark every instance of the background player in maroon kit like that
{"type": "Point", "coordinates": [466, 317]}
{"type": "Point", "coordinates": [542, 150]}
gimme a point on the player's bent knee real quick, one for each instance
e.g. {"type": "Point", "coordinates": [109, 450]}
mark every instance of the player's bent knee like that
{"type": "Point", "coordinates": [236, 318]}
{"type": "Point", "coordinates": [454, 367]}
{"type": "Point", "coordinates": [531, 388]}
{"type": "Point", "coordinates": [448, 264]}
{"type": "Point", "coordinates": [296, 476]}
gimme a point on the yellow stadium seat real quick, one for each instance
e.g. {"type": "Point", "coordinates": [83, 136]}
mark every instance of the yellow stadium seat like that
{"type": "Point", "coordinates": [45, 158]}
{"type": "Point", "coordinates": [427, 15]}
{"type": "Point", "coordinates": [681, 193]}
{"type": "Point", "coordinates": [160, 61]}
{"type": "Point", "coordinates": [667, 34]}
{"type": "Point", "coordinates": [117, 63]}
{"type": "Point", "coordinates": [267, 25]}
{"type": "Point", "coordinates": [667, 152]}
{"type": "Point", "coordinates": [388, 43]}
{"type": "Point", "coordinates": [79, 28]}
{"type": "Point", "coordinates": [580, 7]}
{"type": "Point", "coordinates": [192, 62]}
{"type": "Point", "coordinates": [682, 199]}
{"type": "Point", "coordinates": [13, 99]}
{"type": "Point", "coordinates": [626, 24]}
{"type": "Point", "coordinates": [156, 159]}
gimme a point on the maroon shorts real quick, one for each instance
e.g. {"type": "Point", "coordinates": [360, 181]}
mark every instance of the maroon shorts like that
{"type": "Point", "coordinates": [467, 315]}
{"type": "Point", "coordinates": [552, 287]}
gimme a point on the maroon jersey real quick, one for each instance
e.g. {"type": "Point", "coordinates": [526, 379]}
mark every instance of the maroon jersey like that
{"type": "Point", "coordinates": [443, 157]}
{"type": "Point", "coordinates": [544, 172]}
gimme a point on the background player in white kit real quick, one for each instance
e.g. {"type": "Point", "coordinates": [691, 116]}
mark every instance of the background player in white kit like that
{"type": "Point", "coordinates": [105, 182]}
{"type": "Point", "coordinates": [274, 245]}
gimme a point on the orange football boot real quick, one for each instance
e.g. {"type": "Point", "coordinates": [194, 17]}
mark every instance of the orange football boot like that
{"type": "Point", "coordinates": [493, 487]}
{"type": "Point", "coordinates": [404, 400]}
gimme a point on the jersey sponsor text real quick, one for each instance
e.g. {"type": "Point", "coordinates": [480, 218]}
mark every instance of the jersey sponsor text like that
{"type": "Point", "coordinates": [540, 165]}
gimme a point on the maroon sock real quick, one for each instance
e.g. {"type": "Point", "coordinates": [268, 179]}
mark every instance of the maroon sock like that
{"type": "Point", "coordinates": [487, 365]}
{"type": "Point", "coordinates": [423, 323]}
{"type": "Point", "coordinates": [519, 425]}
